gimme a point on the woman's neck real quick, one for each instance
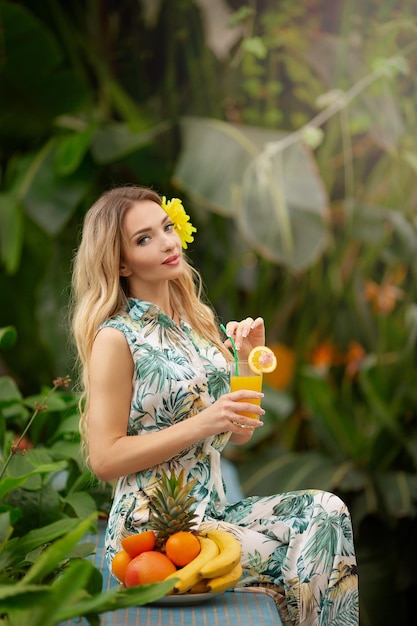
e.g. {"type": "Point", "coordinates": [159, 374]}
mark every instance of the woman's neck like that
{"type": "Point", "coordinates": [161, 300]}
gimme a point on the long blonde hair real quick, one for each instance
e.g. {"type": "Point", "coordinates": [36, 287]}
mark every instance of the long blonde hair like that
{"type": "Point", "coordinates": [99, 292]}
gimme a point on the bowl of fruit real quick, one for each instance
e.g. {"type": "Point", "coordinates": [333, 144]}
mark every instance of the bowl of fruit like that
{"type": "Point", "coordinates": [201, 562]}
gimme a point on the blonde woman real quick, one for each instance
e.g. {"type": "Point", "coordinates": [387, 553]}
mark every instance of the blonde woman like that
{"type": "Point", "coordinates": [157, 397]}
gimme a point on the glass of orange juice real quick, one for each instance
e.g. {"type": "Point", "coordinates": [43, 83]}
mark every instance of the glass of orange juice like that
{"type": "Point", "coordinates": [243, 377]}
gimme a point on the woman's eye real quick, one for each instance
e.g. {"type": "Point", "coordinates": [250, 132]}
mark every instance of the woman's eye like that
{"type": "Point", "coordinates": [169, 226]}
{"type": "Point", "coordinates": [142, 240]}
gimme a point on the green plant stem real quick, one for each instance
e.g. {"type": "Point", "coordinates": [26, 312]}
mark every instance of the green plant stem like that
{"type": "Point", "coordinates": [339, 103]}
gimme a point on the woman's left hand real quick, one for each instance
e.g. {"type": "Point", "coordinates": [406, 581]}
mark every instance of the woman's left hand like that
{"type": "Point", "coordinates": [246, 334]}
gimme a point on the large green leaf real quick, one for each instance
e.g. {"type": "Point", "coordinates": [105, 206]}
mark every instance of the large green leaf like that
{"type": "Point", "coordinates": [51, 199]}
{"type": "Point", "coordinates": [268, 184]}
{"type": "Point", "coordinates": [331, 420]}
{"type": "Point", "coordinates": [11, 231]}
{"type": "Point", "coordinates": [9, 391]}
{"type": "Point", "coordinates": [5, 528]}
{"type": "Point", "coordinates": [66, 449]}
{"type": "Point", "coordinates": [8, 483]}
{"type": "Point", "coordinates": [66, 590]}
{"type": "Point", "coordinates": [399, 493]}
{"type": "Point", "coordinates": [117, 599]}
{"type": "Point", "coordinates": [71, 149]}
{"type": "Point", "coordinates": [379, 407]}
{"type": "Point", "coordinates": [8, 336]}
{"type": "Point", "coordinates": [112, 142]}
{"type": "Point", "coordinates": [13, 597]}
{"type": "Point", "coordinates": [17, 547]}
{"type": "Point", "coordinates": [82, 504]}
{"type": "Point", "coordinates": [54, 554]}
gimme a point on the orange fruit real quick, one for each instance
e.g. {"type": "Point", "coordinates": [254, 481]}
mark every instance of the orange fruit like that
{"type": "Point", "coordinates": [262, 359]}
{"type": "Point", "coordinates": [139, 542]}
{"type": "Point", "coordinates": [119, 565]}
{"type": "Point", "coordinates": [148, 567]}
{"type": "Point", "coordinates": [182, 547]}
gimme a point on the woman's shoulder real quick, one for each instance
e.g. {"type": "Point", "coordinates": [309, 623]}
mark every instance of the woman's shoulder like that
{"type": "Point", "coordinates": [119, 328]}
{"type": "Point", "coordinates": [117, 321]}
{"type": "Point", "coordinates": [129, 321]}
{"type": "Point", "coordinates": [110, 354]}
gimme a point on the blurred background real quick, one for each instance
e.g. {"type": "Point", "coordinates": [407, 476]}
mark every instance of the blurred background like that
{"type": "Point", "coordinates": [289, 129]}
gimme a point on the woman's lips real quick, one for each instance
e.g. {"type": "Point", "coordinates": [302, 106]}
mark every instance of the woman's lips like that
{"type": "Point", "coordinates": [172, 260]}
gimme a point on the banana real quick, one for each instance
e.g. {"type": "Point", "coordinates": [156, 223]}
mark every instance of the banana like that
{"type": "Point", "coordinates": [188, 575]}
{"type": "Point", "coordinates": [230, 552]}
{"type": "Point", "coordinates": [222, 583]}
{"type": "Point", "coordinates": [200, 587]}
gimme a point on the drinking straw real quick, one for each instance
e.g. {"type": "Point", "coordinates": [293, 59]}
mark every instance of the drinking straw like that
{"type": "Point", "coordinates": [234, 349]}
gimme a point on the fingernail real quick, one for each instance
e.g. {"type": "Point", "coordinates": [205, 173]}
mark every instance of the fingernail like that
{"type": "Point", "coordinates": [245, 333]}
{"type": "Point", "coordinates": [238, 345]}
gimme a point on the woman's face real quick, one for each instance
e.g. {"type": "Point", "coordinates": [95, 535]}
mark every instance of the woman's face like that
{"type": "Point", "coordinates": [152, 253]}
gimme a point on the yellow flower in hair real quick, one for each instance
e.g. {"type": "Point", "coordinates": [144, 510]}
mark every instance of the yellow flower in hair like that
{"type": "Point", "coordinates": [180, 219]}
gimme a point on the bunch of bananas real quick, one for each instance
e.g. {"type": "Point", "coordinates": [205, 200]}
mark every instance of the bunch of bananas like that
{"type": "Point", "coordinates": [216, 568]}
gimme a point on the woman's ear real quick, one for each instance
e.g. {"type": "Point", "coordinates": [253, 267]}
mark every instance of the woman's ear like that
{"type": "Point", "coordinates": [124, 270]}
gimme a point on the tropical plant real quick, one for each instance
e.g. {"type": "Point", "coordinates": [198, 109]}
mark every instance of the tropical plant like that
{"type": "Point", "coordinates": [42, 431]}
{"type": "Point", "coordinates": [81, 130]}
{"type": "Point", "coordinates": [45, 510]}
{"type": "Point", "coordinates": [47, 580]}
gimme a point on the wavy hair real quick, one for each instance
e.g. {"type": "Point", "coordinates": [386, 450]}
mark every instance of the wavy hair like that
{"type": "Point", "coordinates": [99, 292]}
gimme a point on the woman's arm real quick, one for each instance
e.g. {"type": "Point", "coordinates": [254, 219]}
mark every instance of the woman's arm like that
{"type": "Point", "coordinates": [112, 453]}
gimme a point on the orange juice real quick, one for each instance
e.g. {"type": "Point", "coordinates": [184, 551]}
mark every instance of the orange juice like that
{"type": "Point", "coordinates": [254, 383]}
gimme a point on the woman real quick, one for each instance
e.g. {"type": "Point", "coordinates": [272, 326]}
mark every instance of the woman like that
{"type": "Point", "coordinates": [158, 398]}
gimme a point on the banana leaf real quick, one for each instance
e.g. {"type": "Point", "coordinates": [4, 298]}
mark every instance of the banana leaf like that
{"type": "Point", "coordinates": [270, 185]}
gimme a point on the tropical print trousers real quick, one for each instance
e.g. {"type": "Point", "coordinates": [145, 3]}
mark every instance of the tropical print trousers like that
{"type": "Point", "coordinates": [301, 544]}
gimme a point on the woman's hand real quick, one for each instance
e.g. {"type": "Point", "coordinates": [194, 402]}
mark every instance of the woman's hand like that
{"type": "Point", "coordinates": [246, 334]}
{"type": "Point", "coordinates": [225, 415]}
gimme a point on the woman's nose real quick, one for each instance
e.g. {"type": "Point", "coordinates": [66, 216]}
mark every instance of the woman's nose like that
{"type": "Point", "coordinates": [167, 241]}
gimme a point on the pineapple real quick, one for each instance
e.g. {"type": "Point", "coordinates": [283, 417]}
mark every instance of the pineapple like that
{"type": "Point", "coordinates": [171, 505]}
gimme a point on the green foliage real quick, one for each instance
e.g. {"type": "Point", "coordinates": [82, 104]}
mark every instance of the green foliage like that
{"type": "Point", "coordinates": [47, 504]}
{"type": "Point", "coordinates": [57, 154]}
{"type": "Point", "coordinates": [43, 477]}
{"type": "Point", "coordinates": [55, 586]}
{"type": "Point", "coordinates": [8, 337]}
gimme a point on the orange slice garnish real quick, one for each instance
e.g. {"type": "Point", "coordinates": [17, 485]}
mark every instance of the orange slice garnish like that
{"type": "Point", "coordinates": [262, 359]}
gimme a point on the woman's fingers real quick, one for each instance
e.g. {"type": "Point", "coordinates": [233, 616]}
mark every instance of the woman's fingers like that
{"type": "Point", "coordinates": [239, 406]}
{"type": "Point", "coordinates": [249, 329]}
